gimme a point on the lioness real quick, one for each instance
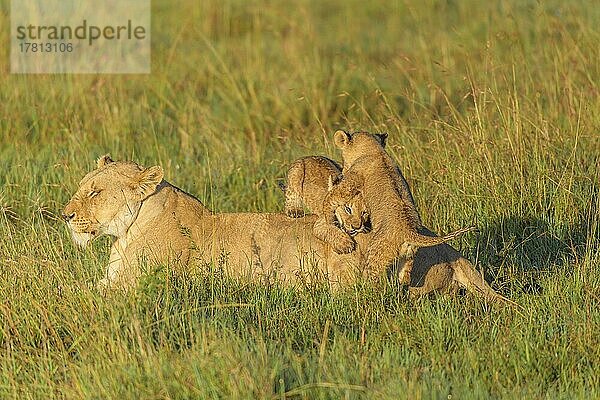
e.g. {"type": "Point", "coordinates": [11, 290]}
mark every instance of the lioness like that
{"type": "Point", "coordinates": [370, 170]}
{"type": "Point", "coordinates": [154, 221]}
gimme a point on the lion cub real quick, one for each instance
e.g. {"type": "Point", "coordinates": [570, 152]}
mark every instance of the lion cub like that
{"type": "Point", "coordinates": [370, 171]}
{"type": "Point", "coordinates": [306, 186]}
{"type": "Point", "coordinates": [309, 179]}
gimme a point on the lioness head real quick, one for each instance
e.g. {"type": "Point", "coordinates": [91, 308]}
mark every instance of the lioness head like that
{"type": "Point", "coordinates": [109, 198]}
{"type": "Point", "coordinates": [351, 211]}
{"type": "Point", "coordinates": [357, 144]}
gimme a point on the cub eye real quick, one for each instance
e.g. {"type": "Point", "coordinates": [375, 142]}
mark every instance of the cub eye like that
{"type": "Point", "coordinates": [94, 193]}
{"type": "Point", "coordinates": [348, 210]}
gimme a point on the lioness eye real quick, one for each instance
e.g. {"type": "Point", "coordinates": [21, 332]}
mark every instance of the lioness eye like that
{"type": "Point", "coordinates": [93, 193]}
{"type": "Point", "coordinates": [348, 210]}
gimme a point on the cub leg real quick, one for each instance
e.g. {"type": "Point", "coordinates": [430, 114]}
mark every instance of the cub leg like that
{"type": "Point", "coordinates": [405, 272]}
{"type": "Point", "coordinates": [379, 256]}
{"type": "Point", "coordinates": [341, 242]}
{"type": "Point", "coordinates": [294, 205]}
{"type": "Point", "coordinates": [407, 251]}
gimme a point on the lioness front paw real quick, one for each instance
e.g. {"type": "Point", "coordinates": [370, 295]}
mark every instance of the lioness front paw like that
{"type": "Point", "coordinates": [103, 286]}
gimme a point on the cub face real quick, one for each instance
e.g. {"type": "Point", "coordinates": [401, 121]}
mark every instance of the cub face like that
{"type": "Point", "coordinates": [351, 211]}
{"type": "Point", "coordinates": [108, 199]}
{"type": "Point", "coordinates": [353, 216]}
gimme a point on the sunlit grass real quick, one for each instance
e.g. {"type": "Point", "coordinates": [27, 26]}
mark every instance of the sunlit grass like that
{"type": "Point", "coordinates": [493, 111]}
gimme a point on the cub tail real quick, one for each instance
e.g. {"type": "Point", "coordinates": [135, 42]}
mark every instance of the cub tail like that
{"type": "Point", "coordinates": [419, 240]}
{"type": "Point", "coordinates": [466, 276]}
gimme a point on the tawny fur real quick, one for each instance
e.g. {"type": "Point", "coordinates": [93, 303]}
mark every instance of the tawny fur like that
{"type": "Point", "coordinates": [350, 217]}
{"type": "Point", "coordinates": [306, 184]}
{"type": "Point", "coordinates": [395, 221]}
{"type": "Point", "coordinates": [153, 221]}
{"type": "Point", "coordinates": [442, 268]}
{"type": "Point", "coordinates": [307, 181]}
{"type": "Point", "coordinates": [439, 268]}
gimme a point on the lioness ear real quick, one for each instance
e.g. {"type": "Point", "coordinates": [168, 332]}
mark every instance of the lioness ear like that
{"type": "Point", "coordinates": [341, 138]}
{"type": "Point", "coordinates": [148, 180]}
{"type": "Point", "coordinates": [102, 161]}
{"type": "Point", "coordinates": [382, 138]}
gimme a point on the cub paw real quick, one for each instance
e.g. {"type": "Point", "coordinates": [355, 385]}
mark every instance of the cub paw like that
{"type": "Point", "coordinates": [404, 277]}
{"type": "Point", "coordinates": [344, 245]}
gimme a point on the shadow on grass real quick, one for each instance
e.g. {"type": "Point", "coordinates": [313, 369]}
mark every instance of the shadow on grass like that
{"type": "Point", "coordinates": [528, 245]}
{"type": "Point", "coordinates": [516, 251]}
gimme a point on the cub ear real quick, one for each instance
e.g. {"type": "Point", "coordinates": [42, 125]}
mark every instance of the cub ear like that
{"type": "Point", "coordinates": [382, 138]}
{"type": "Point", "coordinates": [148, 180]}
{"type": "Point", "coordinates": [332, 181]}
{"type": "Point", "coordinates": [341, 138]}
{"type": "Point", "coordinates": [102, 161]}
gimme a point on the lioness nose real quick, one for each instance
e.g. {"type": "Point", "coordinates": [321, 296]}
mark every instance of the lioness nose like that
{"type": "Point", "coordinates": [68, 217]}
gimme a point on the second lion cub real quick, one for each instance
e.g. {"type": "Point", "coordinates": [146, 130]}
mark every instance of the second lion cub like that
{"type": "Point", "coordinates": [306, 185]}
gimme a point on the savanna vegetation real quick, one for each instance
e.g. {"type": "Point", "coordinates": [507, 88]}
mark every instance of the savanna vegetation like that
{"type": "Point", "coordinates": [493, 111]}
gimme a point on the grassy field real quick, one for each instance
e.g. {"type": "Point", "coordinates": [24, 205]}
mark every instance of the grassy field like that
{"type": "Point", "coordinates": [493, 111]}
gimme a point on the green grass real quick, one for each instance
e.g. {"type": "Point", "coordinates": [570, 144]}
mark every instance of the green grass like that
{"type": "Point", "coordinates": [493, 111]}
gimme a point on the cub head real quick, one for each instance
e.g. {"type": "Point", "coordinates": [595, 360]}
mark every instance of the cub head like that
{"type": "Point", "coordinates": [351, 211]}
{"type": "Point", "coordinates": [109, 199]}
{"type": "Point", "coordinates": [357, 144]}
